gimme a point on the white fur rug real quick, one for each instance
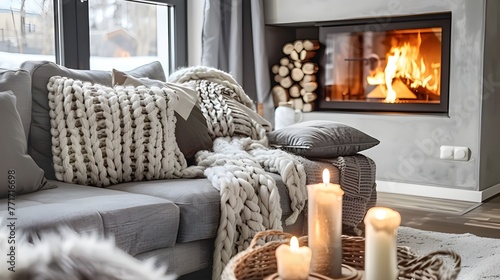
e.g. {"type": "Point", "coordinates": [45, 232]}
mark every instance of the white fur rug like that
{"type": "Point", "coordinates": [66, 255]}
{"type": "Point", "coordinates": [480, 256]}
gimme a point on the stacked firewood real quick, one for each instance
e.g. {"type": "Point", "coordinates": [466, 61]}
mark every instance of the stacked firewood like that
{"type": "Point", "coordinates": [295, 75]}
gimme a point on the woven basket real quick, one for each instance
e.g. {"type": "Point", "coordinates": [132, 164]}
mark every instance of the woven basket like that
{"type": "Point", "coordinates": [259, 261]}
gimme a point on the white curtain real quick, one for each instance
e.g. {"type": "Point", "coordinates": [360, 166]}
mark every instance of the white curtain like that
{"type": "Point", "coordinates": [233, 40]}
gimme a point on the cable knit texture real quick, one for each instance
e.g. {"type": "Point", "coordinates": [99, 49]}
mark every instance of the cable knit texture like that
{"type": "Point", "coordinates": [238, 163]}
{"type": "Point", "coordinates": [103, 136]}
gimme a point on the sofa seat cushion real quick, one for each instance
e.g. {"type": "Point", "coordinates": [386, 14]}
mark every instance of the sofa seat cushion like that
{"type": "Point", "coordinates": [198, 201]}
{"type": "Point", "coordinates": [138, 223]}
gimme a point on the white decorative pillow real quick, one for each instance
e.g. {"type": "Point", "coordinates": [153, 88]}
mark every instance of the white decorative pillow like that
{"type": "Point", "coordinates": [103, 136]}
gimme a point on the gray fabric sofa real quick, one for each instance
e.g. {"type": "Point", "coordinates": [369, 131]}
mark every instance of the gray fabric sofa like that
{"type": "Point", "coordinates": [174, 221]}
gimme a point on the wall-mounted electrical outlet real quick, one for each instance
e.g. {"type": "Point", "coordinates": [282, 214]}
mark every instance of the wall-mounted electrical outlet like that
{"type": "Point", "coordinates": [446, 152]}
{"type": "Point", "coordinates": [454, 153]}
{"type": "Point", "coordinates": [461, 153]}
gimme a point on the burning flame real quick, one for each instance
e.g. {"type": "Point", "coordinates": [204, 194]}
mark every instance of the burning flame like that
{"type": "Point", "coordinates": [326, 176]}
{"type": "Point", "coordinates": [403, 62]}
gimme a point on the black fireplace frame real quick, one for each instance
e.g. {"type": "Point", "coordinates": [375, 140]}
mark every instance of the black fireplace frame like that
{"type": "Point", "coordinates": [442, 20]}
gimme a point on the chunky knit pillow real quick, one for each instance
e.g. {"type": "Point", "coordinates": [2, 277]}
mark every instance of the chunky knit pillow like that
{"type": "Point", "coordinates": [103, 136]}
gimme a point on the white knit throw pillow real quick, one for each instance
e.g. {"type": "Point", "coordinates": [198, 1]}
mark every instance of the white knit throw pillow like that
{"type": "Point", "coordinates": [103, 136]}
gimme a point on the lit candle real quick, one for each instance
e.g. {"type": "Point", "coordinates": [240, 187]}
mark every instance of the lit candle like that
{"type": "Point", "coordinates": [325, 227]}
{"type": "Point", "coordinates": [381, 226]}
{"type": "Point", "coordinates": [293, 261]}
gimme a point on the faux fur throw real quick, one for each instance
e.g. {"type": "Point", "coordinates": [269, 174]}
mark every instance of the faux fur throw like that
{"type": "Point", "coordinates": [66, 255]}
{"type": "Point", "coordinates": [238, 164]}
{"type": "Point", "coordinates": [103, 136]}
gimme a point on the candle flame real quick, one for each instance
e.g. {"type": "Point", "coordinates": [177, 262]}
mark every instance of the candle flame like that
{"type": "Point", "coordinates": [326, 176]}
{"type": "Point", "coordinates": [381, 214]}
{"type": "Point", "coordinates": [294, 243]}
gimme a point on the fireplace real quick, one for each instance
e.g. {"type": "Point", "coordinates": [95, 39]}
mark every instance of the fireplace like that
{"type": "Point", "coordinates": [391, 64]}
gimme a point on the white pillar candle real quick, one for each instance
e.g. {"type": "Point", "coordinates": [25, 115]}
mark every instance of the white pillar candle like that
{"type": "Point", "coordinates": [381, 226]}
{"type": "Point", "coordinates": [293, 261]}
{"type": "Point", "coordinates": [325, 227]}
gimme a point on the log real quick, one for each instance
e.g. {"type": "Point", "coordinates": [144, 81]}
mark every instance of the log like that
{"type": "Point", "coordinates": [306, 55]}
{"type": "Point", "coordinates": [308, 107]}
{"type": "Point", "coordinates": [275, 68]}
{"type": "Point", "coordinates": [294, 55]}
{"type": "Point", "coordinates": [310, 87]}
{"type": "Point", "coordinates": [297, 74]}
{"type": "Point", "coordinates": [297, 64]}
{"type": "Point", "coordinates": [298, 46]}
{"type": "Point", "coordinates": [309, 97]}
{"type": "Point", "coordinates": [286, 82]}
{"type": "Point", "coordinates": [311, 45]}
{"type": "Point", "coordinates": [291, 66]}
{"type": "Point", "coordinates": [287, 48]}
{"type": "Point", "coordinates": [283, 71]}
{"type": "Point", "coordinates": [309, 68]}
{"type": "Point", "coordinates": [294, 91]}
{"type": "Point", "coordinates": [279, 95]}
{"type": "Point", "coordinates": [309, 78]}
{"type": "Point", "coordinates": [284, 61]}
{"type": "Point", "coordinates": [277, 78]}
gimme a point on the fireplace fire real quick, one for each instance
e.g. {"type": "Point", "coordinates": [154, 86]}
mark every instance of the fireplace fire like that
{"type": "Point", "coordinates": [391, 65]}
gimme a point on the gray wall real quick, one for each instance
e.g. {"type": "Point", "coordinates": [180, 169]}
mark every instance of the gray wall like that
{"type": "Point", "coordinates": [409, 148]}
{"type": "Point", "coordinates": [490, 122]}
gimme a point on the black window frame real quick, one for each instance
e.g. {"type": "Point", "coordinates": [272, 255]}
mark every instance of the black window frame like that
{"type": "Point", "coordinates": [73, 34]}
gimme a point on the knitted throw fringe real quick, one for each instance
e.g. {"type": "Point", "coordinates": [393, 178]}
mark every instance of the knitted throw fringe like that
{"type": "Point", "coordinates": [237, 166]}
{"type": "Point", "coordinates": [103, 136]}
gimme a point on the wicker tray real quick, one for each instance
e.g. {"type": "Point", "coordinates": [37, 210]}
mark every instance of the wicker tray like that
{"type": "Point", "coordinates": [259, 261]}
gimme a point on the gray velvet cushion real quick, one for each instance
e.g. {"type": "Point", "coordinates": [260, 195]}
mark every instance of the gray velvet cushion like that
{"type": "Point", "coordinates": [192, 133]}
{"type": "Point", "coordinates": [40, 145]}
{"type": "Point", "coordinates": [321, 139]}
{"type": "Point", "coordinates": [19, 82]}
{"type": "Point", "coordinates": [198, 201]}
{"type": "Point", "coordinates": [138, 223]}
{"type": "Point", "coordinates": [19, 174]}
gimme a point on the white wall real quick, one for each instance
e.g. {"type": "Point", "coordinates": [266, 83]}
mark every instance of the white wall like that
{"type": "Point", "coordinates": [409, 148]}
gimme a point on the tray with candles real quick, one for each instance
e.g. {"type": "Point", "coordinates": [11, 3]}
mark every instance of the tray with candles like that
{"type": "Point", "coordinates": [259, 261]}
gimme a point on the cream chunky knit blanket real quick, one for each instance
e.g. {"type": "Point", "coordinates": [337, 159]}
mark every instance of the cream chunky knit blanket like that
{"type": "Point", "coordinates": [238, 163]}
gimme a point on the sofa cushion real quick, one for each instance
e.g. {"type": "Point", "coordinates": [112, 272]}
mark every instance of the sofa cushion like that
{"type": "Point", "coordinates": [198, 201]}
{"type": "Point", "coordinates": [40, 145]}
{"type": "Point", "coordinates": [191, 131]}
{"type": "Point", "coordinates": [139, 223]}
{"type": "Point", "coordinates": [19, 174]}
{"type": "Point", "coordinates": [108, 135]}
{"type": "Point", "coordinates": [19, 82]}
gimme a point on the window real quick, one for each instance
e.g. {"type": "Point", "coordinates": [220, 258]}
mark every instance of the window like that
{"type": "Point", "coordinates": [94, 34]}
{"type": "Point", "coordinates": [26, 31]}
{"type": "Point", "coordinates": [128, 34]}
{"type": "Point", "coordinates": [104, 34]}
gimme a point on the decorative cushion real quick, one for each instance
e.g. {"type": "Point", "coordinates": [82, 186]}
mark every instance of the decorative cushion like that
{"type": "Point", "coordinates": [19, 82]}
{"type": "Point", "coordinates": [103, 136]}
{"type": "Point", "coordinates": [40, 145]}
{"type": "Point", "coordinates": [321, 139]}
{"type": "Point", "coordinates": [19, 174]}
{"type": "Point", "coordinates": [191, 130]}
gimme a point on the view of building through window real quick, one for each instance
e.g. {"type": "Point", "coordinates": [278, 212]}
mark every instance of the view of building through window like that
{"type": "Point", "coordinates": [127, 34]}
{"type": "Point", "coordinates": [26, 31]}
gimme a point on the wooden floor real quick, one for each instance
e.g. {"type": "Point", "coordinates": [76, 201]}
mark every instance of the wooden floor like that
{"type": "Point", "coordinates": [482, 219]}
